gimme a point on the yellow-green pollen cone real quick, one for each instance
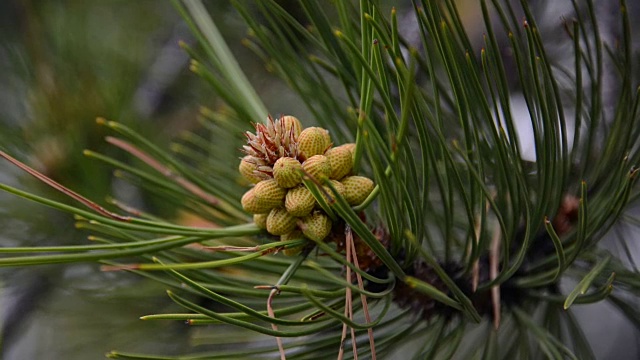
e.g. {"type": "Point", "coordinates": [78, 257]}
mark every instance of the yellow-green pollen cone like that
{"type": "Point", "coordinates": [269, 193]}
{"type": "Point", "coordinates": [247, 170]}
{"type": "Point", "coordinates": [356, 189]}
{"type": "Point", "coordinates": [261, 220]}
{"type": "Point", "coordinates": [251, 204]}
{"type": "Point", "coordinates": [286, 172]}
{"type": "Point", "coordinates": [299, 201]}
{"type": "Point", "coordinates": [316, 226]}
{"type": "Point", "coordinates": [295, 234]}
{"type": "Point", "coordinates": [313, 141]}
{"type": "Point", "coordinates": [280, 222]}
{"type": "Point", "coordinates": [341, 162]}
{"type": "Point", "coordinates": [328, 195]}
{"type": "Point", "coordinates": [318, 167]}
{"type": "Point", "coordinates": [348, 146]}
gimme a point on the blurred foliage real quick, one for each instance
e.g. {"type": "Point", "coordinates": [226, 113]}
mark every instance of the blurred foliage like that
{"type": "Point", "coordinates": [63, 64]}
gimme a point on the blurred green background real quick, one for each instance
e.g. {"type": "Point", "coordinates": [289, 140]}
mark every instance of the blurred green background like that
{"type": "Point", "coordinates": [62, 64]}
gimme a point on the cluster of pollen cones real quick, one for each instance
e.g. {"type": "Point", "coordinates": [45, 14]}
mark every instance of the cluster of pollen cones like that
{"type": "Point", "coordinates": [278, 156]}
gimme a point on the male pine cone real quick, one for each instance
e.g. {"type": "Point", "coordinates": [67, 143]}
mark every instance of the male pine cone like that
{"type": "Point", "coordinates": [278, 156]}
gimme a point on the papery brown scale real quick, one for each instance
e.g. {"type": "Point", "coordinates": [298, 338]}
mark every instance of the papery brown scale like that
{"type": "Point", "coordinates": [273, 131]}
{"type": "Point", "coordinates": [255, 150]}
{"type": "Point", "coordinates": [267, 141]}
{"type": "Point", "coordinates": [270, 126]}
{"type": "Point", "coordinates": [270, 142]}
{"type": "Point", "coordinates": [269, 153]}
{"type": "Point", "coordinates": [293, 148]}
{"type": "Point", "coordinates": [254, 146]}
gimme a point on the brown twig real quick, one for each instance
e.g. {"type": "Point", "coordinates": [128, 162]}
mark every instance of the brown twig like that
{"type": "Point", "coordinates": [363, 298]}
{"type": "Point", "coordinates": [124, 207]}
{"type": "Point", "coordinates": [354, 344]}
{"type": "Point", "coordinates": [275, 291]}
{"type": "Point", "coordinates": [347, 304]}
{"type": "Point", "coordinates": [70, 193]}
{"type": "Point", "coordinates": [120, 267]}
